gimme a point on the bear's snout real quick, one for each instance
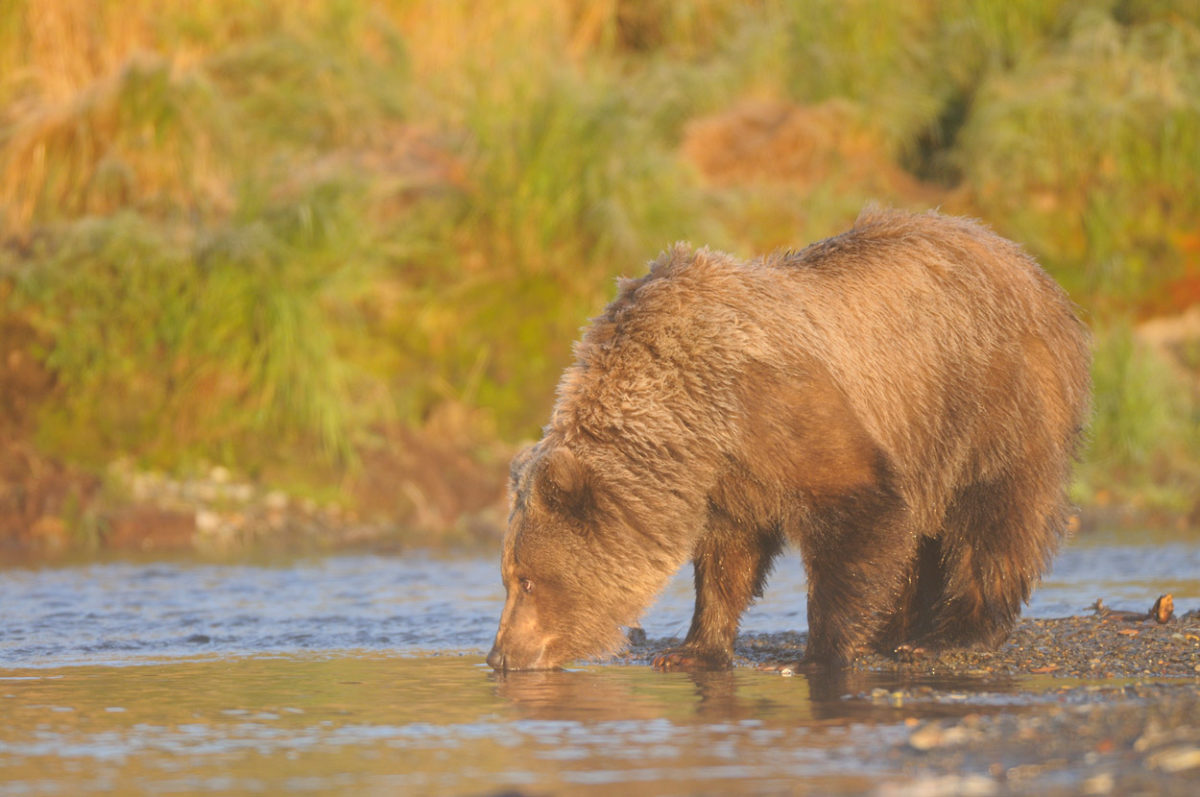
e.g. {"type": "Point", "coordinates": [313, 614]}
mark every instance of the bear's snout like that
{"type": "Point", "coordinates": [520, 641]}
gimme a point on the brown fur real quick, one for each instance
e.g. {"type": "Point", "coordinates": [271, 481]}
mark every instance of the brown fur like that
{"type": "Point", "coordinates": [901, 401]}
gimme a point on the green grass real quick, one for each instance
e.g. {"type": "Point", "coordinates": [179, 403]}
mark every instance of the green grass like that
{"type": "Point", "coordinates": [1088, 154]}
{"type": "Point", "coordinates": [176, 345]}
{"type": "Point", "coordinates": [556, 205]}
{"type": "Point", "coordinates": [258, 234]}
{"type": "Point", "coordinates": [1145, 427]}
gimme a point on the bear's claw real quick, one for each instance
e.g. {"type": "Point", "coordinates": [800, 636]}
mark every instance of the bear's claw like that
{"type": "Point", "coordinates": [690, 660]}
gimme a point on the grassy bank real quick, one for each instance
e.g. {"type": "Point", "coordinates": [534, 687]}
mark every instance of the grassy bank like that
{"type": "Point", "coordinates": [315, 242]}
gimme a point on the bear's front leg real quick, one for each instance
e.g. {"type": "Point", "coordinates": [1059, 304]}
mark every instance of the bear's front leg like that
{"type": "Point", "coordinates": [731, 567]}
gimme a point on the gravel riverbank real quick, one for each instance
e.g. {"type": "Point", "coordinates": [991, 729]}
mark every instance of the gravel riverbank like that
{"type": "Point", "coordinates": [1107, 703]}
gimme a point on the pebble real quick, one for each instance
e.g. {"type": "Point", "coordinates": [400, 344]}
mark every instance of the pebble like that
{"type": "Point", "coordinates": [1100, 784]}
{"type": "Point", "coordinates": [943, 786]}
{"type": "Point", "coordinates": [933, 735]}
{"type": "Point", "coordinates": [1174, 759]}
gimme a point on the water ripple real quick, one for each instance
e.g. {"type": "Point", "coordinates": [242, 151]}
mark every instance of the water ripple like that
{"type": "Point", "coordinates": [126, 611]}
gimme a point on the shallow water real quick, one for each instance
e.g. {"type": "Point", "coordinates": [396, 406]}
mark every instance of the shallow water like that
{"type": "Point", "coordinates": [372, 723]}
{"type": "Point", "coordinates": [130, 613]}
{"type": "Point", "coordinates": [364, 674]}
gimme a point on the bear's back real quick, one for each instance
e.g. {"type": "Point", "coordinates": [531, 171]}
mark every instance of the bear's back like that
{"type": "Point", "coordinates": [950, 344]}
{"type": "Point", "coordinates": [953, 346]}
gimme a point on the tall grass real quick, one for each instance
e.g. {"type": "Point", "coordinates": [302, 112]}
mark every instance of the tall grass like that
{"type": "Point", "coordinates": [565, 187]}
{"type": "Point", "coordinates": [183, 347]}
{"type": "Point", "coordinates": [185, 219]}
{"type": "Point", "coordinates": [912, 66]}
{"type": "Point", "coordinates": [146, 137]}
{"type": "Point", "coordinates": [1089, 154]}
{"type": "Point", "coordinates": [258, 232]}
{"type": "Point", "coordinates": [1145, 428]}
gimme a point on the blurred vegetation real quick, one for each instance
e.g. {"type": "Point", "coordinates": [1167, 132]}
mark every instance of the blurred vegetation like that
{"type": "Point", "coordinates": [267, 235]}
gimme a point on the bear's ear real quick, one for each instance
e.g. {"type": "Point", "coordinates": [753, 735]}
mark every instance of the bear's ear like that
{"type": "Point", "coordinates": [519, 463]}
{"type": "Point", "coordinates": [566, 482]}
{"type": "Point", "coordinates": [676, 257]}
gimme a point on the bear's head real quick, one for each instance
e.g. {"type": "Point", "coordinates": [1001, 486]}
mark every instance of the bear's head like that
{"type": "Point", "coordinates": [567, 566]}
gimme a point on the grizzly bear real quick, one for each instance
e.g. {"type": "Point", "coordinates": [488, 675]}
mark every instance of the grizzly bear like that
{"type": "Point", "coordinates": [902, 402]}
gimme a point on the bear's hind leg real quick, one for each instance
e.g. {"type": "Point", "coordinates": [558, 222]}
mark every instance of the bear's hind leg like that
{"type": "Point", "coordinates": [998, 538]}
{"type": "Point", "coordinates": [859, 560]}
{"type": "Point", "coordinates": [912, 621]}
{"type": "Point", "coordinates": [731, 568]}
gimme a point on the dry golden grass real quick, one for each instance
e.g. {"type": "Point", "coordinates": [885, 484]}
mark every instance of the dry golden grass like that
{"type": "Point", "coordinates": [148, 137]}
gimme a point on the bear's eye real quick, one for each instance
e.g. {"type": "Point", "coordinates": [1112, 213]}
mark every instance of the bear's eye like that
{"type": "Point", "coordinates": [526, 585]}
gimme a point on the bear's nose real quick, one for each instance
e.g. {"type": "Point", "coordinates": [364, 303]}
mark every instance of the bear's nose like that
{"type": "Point", "coordinates": [495, 658]}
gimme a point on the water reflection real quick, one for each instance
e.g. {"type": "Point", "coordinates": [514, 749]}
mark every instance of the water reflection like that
{"type": "Point", "coordinates": [443, 723]}
{"type": "Point", "coordinates": [624, 693]}
{"type": "Point", "coordinates": [612, 693]}
{"type": "Point", "coordinates": [362, 722]}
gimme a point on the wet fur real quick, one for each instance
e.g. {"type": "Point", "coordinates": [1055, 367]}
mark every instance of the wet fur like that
{"type": "Point", "coordinates": [902, 402]}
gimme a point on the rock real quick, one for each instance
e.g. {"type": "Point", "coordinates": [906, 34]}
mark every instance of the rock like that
{"type": "Point", "coordinates": [1163, 609]}
{"type": "Point", "coordinates": [277, 500]}
{"type": "Point", "coordinates": [207, 521]}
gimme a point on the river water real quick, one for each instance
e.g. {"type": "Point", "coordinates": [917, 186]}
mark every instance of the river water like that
{"type": "Point", "coordinates": [364, 674]}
